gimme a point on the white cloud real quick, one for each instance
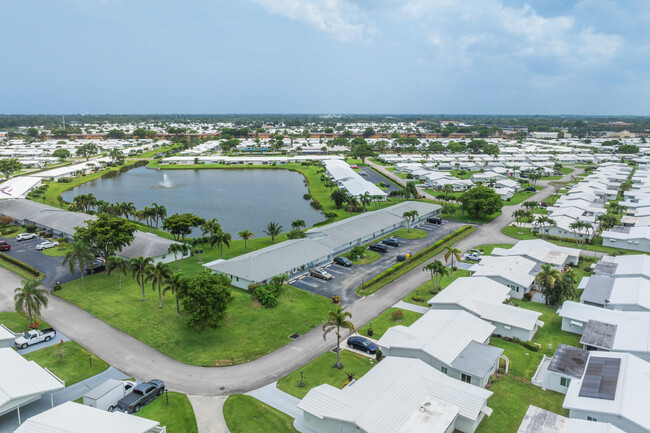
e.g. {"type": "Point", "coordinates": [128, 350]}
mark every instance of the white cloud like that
{"type": "Point", "coordinates": [338, 18]}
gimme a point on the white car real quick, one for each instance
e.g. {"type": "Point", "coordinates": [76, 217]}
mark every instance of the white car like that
{"type": "Point", "coordinates": [45, 245]}
{"type": "Point", "coordinates": [26, 236]}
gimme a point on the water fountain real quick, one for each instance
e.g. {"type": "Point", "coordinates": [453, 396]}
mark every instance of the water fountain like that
{"type": "Point", "coordinates": [166, 182]}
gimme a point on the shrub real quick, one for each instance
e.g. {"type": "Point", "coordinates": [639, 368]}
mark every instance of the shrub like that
{"type": "Point", "coordinates": [417, 299]}
{"type": "Point", "coordinates": [34, 325]}
{"type": "Point", "coordinates": [47, 235]}
{"type": "Point", "coordinates": [316, 205]}
{"type": "Point", "coordinates": [397, 315]}
{"type": "Point", "coordinates": [267, 295]}
{"type": "Point", "coordinates": [56, 287]}
{"type": "Point", "coordinates": [64, 180]}
{"type": "Point", "coordinates": [307, 197]}
{"type": "Point", "coordinates": [336, 299]}
{"type": "Point", "coordinates": [252, 287]}
{"type": "Point", "coordinates": [530, 346]}
{"type": "Point", "coordinates": [5, 220]}
{"type": "Point", "coordinates": [378, 355]}
{"type": "Point", "coordinates": [356, 252]}
{"type": "Point", "coordinates": [30, 228]}
{"type": "Point", "coordinates": [42, 233]}
{"type": "Point", "coordinates": [528, 296]}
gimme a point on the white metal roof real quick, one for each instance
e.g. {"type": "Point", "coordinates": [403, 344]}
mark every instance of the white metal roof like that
{"type": "Point", "coordinates": [515, 269]}
{"type": "Point", "coordinates": [20, 379]}
{"type": "Point", "coordinates": [539, 420]}
{"type": "Point", "coordinates": [17, 187]}
{"type": "Point", "coordinates": [73, 417]}
{"type": "Point", "coordinates": [6, 333]}
{"type": "Point", "coordinates": [539, 251]}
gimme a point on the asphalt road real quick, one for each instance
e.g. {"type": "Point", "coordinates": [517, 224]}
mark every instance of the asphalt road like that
{"type": "Point", "coordinates": [54, 270]}
{"type": "Point", "coordinates": [346, 280]}
{"type": "Point", "coordinates": [374, 177]}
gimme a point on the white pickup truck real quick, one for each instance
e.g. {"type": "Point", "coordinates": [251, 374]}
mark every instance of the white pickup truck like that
{"type": "Point", "coordinates": [34, 336]}
{"type": "Point", "coordinates": [472, 257]}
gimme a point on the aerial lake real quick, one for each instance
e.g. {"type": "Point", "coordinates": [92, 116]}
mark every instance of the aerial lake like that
{"type": "Point", "coordinates": [241, 199]}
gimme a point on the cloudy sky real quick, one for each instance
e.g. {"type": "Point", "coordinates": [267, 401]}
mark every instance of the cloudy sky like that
{"type": "Point", "coordinates": [325, 56]}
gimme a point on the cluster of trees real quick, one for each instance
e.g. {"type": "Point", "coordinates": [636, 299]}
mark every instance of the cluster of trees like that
{"type": "Point", "coordinates": [554, 285]}
{"type": "Point", "coordinates": [353, 204]}
{"type": "Point", "coordinates": [9, 166]}
{"type": "Point", "coordinates": [480, 201]}
{"type": "Point", "coordinates": [151, 216]}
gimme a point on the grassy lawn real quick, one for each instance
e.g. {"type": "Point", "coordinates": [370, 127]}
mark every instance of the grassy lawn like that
{"type": "Point", "coordinates": [466, 174]}
{"type": "Point", "coordinates": [510, 402]}
{"type": "Point", "coordinates": [73, 367]}
{"type": "Point", "coordinates": [248, 331]}
{"type": "Point", "coordinates": [540, 212]}
{"type": "Point", "coordinates": [376, 161]}
{"type": "Point", "coordinates": [381, 323]}
{"type": "Point", "coordinates": [56, 251]}
{"type": "Point", "coordinates": [458, 216]}
{"type": "Point", "coordinates": [425, 289]}
{"type": "Point", "coordinates": [177, 415]}
{"type": "Point", "coordinates": [320, 371]}
{"type": "Point", "coordinates": [520, 197]}
{"type": "Point", "coordinates": [14, 234]}
{"type": "Point", "coordinates": [18, 270]}
{"type": "Point", "coordinates": [246, 414]}
{"type": "Point", "coordinates": [18, 323]}
{"type": "Point", "coordinates": [402, 175]}
{"type": "Point", "coordinates": [527, 233]}
{"type": "Point", "coordinates": [413, 234]}
{"type": "Point", "coordinates": [367, 258]}
{"type": "Point", "coordinates": [488, 248]}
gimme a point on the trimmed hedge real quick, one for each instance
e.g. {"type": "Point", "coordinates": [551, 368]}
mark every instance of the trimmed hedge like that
{"type": "Point", "coordinates": [412, 262]}
{"type": "Point", "coordinates": [20, 264]}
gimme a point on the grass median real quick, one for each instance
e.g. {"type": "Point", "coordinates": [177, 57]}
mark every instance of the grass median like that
{"type": "Point", "coordinates": [174, 411]}
{"type": "Point", "coordinates": [246, 414]}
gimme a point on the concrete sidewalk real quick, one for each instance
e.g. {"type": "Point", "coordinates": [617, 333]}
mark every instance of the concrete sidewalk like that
{"type": "Point", "coordinates": [280, 400]}
{"type": "Point", "coordinates": [208, 411]}
{"type": "Point", "coordinates": [411, 307]}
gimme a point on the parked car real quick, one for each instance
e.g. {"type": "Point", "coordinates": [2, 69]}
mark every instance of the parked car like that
{"type": "Point", "coordinates": [362, 343]}
{"type": "Point", "coordinates": [142, 394]}
{"type": "Point", "coordinates": [402, 257]}
{"type": "Point", "coordinates": [4, 246]}
{"type": "Point", "coordinates": [26, 236]}
{"type": "Point", "coordinates": [343, 261]}
{"type": "Point", "coordinates": [523, 176]}
{"type": "Point", "coordinates": [474, 250]}
{"type": "Point", "coordinates": [33, 337]}
{"type": "Point", "coordinates": [379, 248]}
{"type": "Point", "coordinates": [530, 189]}
{"type": "Point", "coordinates": [320, 273]}
{"type": "Point", "coordinates": [391, 241]}
{"type": "Point", "coordinates": [434, 220]}
{"type": "Point", "coordinates": [97, 266]}
{"type": "Point", "coordinates": [106, 395]}
{"type": "Point", "coordinates": [45, 245]}
{"type": "Point", "coordinates": [472, 257]}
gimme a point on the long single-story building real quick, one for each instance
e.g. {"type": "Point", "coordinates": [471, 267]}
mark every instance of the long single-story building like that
{"type": "Point", "coordinates": [454, 342]}
{"type": "Point", "coordinates": [516, 272]}
{"type": "Point", "coordinates": [398, 395]}
{"type": "Point", "coordinates": [625, 293]}
{"type": "Point", "coordinates": [541, 252]}
{"type": "Point", "coordinates": [320, 246]}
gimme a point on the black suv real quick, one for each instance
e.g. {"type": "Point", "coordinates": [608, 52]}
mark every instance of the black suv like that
{"type": "Point", "coordinates": [342, 261]}
{"type": "Point", "coordinates": [379, 248]}
{"type": "Point", "coordinates": [434, 220]}
{"type": "Point", "coordinates": [391, 241]}
{"type": "Point", "coordinates": [97, 266]}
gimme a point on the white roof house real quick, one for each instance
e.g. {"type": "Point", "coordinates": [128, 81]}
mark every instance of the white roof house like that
{"type": "Point", "coordinates": [6, 336]}
{"type": "Point", "coordinates": [613, 389]}
{"type": "Point", "coordinates": [541, 252]}
{"type": "Point", "coordinates": [451, 341]}
{"type": "Point", "coordinates": [73, 417]}
{"type": "Point", "coordinates": [628, 238]}
{"type": "Point", "coordinates": [399, 395]}
{"type": "Point", "coordinates": [23, 381]}
{"type": "Point", "coordinates": [608, 330]}
{"type": "Point", "coordinates": [484, 298]}
{"type": "Point", "coordinates": [624, 266]}
{"type": "Point", "coordinates": [516, 272]}
{"type": "Point", "coordinates": [624, 293]}
{"type": "Point", "coordinates": [539, 420]}
{"type": "Point", "coordinates": [18, 187]}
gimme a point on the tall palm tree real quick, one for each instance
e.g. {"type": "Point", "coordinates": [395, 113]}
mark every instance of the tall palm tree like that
{"type": "Point", "coordinates": [365, 199]}
{"type": "Point", "coordinates": [30, 298]}
{"type": "Point", "coordinates": [453, 254]}
{"type": "Point", "coordinates": [336, 320]}
{"type": "Point", "coordinates": [173, 284]}
{"type": "Point", "coordinates": [298, 224]}
{"type": "Point", "coordinates": [176, 249]}
{"type": "Point", "coordinates": [158, 274]}
{"type": "Point", "coordinates": [437, 270]}
{"type": "Point", "coordinates": [120, 265]}
{"type": "Point", "coordinates": [78, 254]}
{"type": "Point", "coordinates": [221, 238]}
{"type": "Point", "coordinates": [273, 229]}
{"type": "Point", "coordinates": [545, 280]}
{"type": "Point", "coordinates": [161, 214]}
{"type": "Point", "coordinates": [245, 235]}
{"type": "Point", "coordinates": [138, 266]}
{"type": "Point", "coordinates": [410, 216]}
{"type": "Point", "coordinates": [210, 227]}
{"type": "Point", "coordinates": [198, 244]}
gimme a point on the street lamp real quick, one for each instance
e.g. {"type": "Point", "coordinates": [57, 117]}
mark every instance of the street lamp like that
{"type": "Point", "coordinates": [90, 360]}
{"type": "Point", "coordinates": [302, 382]}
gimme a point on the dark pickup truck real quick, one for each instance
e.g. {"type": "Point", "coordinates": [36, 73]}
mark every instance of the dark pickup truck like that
{"type": "Point", "coordinates": [141, 395]}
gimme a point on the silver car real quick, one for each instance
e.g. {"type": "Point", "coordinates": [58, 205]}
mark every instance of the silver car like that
{"type": "Point", "coordinates": [45, 245]}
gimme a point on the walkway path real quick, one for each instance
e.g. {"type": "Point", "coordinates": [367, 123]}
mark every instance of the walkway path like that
{"type": "Point", "coordinates": [8, 283]}
{"type": "Point", "coordinates": [208, 411]}
{"type": "Point", "coordinates": [411, 307]}
{"type": "Point", "coordinates": [280, 400]}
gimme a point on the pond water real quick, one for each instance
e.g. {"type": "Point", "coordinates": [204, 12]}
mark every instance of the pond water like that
{"type": "Point", "coordinates": [241, 199]}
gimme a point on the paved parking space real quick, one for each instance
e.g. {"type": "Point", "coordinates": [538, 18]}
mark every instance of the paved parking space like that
{"type": "Point", "coordinates": [374, 177]}
{"type": "Point", "coordinates": [346, 280]}
{"type": "Point", "coordinates": [54, 270]}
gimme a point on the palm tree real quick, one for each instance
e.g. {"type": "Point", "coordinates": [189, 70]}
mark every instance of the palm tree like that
{"type": "Point", "coordinates": [273, 229]}
{"type": "Point", "coordinates": [410, 216]}
{"type": "Point", "coordinates": [519, 215]}
{"type": "Point", "coordinates": [298, 224]}
{"type": "Point", "coordinates": [365, 199]}
{"type": "Point", "coordinates": [173, 284]}
{"type": "Point", "coordinates": [161, 214]}
{"type": "Point", "coordinates": [545, 280]}
{"type": "Point", "coordinates": [576, 227]}
{"type": "Point", "coordinates": [437, 270]}
{"type": "Point", "coordinates": [198, 243]}
{"type": "Point", "coordinates": [118, 264]}
{"type": "Point", "coordinates": [78, 254]}
{"type": "Point", "coordinates": [138, 266]}
{"type": "Point", "coordinates": [221, 238]}
{"type": "Point", "coordinates": [245, 235]}
{"type": "Point", "coordinates": [210, 227]}
{"type": "Point", "coordinates": [336, 320]}
{"type": "Point", "coordinates": [176, 249]}
{"type": "Point", "coordinates": [158, 274]}
{"type": "Point", "coordinates": [452, 253]}
{"type": "Point", "coordinates": [30, 298]}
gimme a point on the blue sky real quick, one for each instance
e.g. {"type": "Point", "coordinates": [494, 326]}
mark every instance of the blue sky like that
{"type": "Point", "coordinates": [325, 56]}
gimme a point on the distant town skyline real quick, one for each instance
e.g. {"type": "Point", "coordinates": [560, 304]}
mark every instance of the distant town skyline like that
{"type": "Point", "coordinates": [586, 57]}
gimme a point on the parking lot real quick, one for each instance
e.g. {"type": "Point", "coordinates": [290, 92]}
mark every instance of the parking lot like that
{"type": "Point", "coordinates": [54, 270]}
{"type": "Point", "coordinates": [372, 176]}
{"type": "Point", "coordinates": [346, 280]}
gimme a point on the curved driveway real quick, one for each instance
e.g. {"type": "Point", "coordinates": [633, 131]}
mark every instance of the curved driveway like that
{"type": "Point", "coordinates": [143, 362]}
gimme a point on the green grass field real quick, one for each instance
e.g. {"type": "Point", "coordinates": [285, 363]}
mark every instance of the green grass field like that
{"type": "Point", "coordinates": [173, 411]}
{"type": "Point", "coordinates": [18, 323]}
{"type": "Point", "coordinates": [320, 371]}
{"type": "Point", "coordinates": [19, 271]}
{"type": "Point", "coordinates": [424, 290]}
{"type": "Point", "coordinates": [367, 258]}
{"type": "Point", "coordinates": [521, 196]}
{"type": "Point", "coordinates": [488, 248]}
{"type": "Point", "coordinates": [248, 331]}
{"type": "Point", "coordinates": [246, 414]}
{"type": "Point", "coordinates": [413, 234]}
{"type": "Point", "coordinates": [73, 367]}
{"type": "Point", "coordinates": [381, 323]}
